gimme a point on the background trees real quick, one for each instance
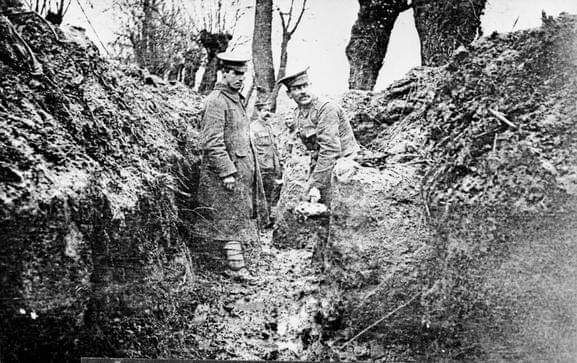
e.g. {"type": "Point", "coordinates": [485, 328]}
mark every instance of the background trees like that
{"type": "Point", "coordinates": [52, 10]}
{"type": "Point", "coordinates": [442, 25]}
{"type": "Point", "coordinates": [173, 39]}
{"type": "Point", "coordinates": [267, 89]}
{"type": "Point", "coordinates": [215, 22]}
{"type": "Point", "coordinates": [153, 34]}
{"type": "Point", "coordinates": [369, 40]}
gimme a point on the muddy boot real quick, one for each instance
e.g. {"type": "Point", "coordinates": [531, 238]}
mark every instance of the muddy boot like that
{"type": "Point", "coordinates": [236, 265]}
{"type": "Point", "coordinates": [234, 257]}
{"type": "Point", "coordinates": [243, 276]}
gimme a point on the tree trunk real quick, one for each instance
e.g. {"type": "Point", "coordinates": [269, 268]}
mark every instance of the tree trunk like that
{"type": "Point", "coordinates": [190, 71]}
{"type": "Point", "coordinates": [444, 25]}
{"type": "Point", "coordinates": [369, 40]}
{"type": "Point", "coordinates": [209, 76]}
{"type": "Point", "coordinates": [214, 44]}
{"type": "Point", "coordinates": [262, 50]}
{"type": "Point", "coordinates": [192, 63]}
{"type": "Point", "coordinates": [140, 42]}
{"type": "Point", "coordinates": [281, 68]}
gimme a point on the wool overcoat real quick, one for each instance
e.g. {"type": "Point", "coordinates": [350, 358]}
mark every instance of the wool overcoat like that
{"type": "Point", "coordinates": [228, 215]}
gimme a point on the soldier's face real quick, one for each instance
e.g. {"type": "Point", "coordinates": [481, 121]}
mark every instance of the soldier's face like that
{"type": "Point", "coordinates": [264, 114]}
{"type": "Point", "coordinates": [233, 78]}
{"type": "Point", "coordinates": [301, 94]}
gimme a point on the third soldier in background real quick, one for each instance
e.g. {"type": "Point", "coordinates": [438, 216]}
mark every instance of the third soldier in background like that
{"type": "Point", "coordinates": [321, 126]}
{"type": "Point", "coordinates": [265, 143]}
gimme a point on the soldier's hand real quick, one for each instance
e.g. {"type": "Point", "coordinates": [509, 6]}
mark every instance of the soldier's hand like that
{"type": "Point", "coordinates": [229, 182]}
{"type": "Point", "coordinates": [289, 121]}
{"type": "Point", "coordinates": [314, 195]}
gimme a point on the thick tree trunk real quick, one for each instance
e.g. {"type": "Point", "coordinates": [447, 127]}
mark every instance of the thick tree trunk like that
{"type": "Point", "coordinates": [214, 44]}
{"type": "Point", "coordinates": [444, 25]}
{"type": "Point", "coordinates": [147, 40]}
{"type": "Point", "coordinates": [141, 40]}
{"type": "Point", "coordinates": [262, 50]}
{"type": "Point", "coordinates": [369, 40]}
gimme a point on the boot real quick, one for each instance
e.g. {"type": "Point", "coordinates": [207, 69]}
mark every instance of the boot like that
{"type": "Point", "coordinates": [236, 265]}
{"type": "Point", "coordinates": [234, 257]}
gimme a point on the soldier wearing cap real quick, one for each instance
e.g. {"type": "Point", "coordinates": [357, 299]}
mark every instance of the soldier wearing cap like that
{"type": "Point", "coordinates": [323, 129]}
{"type": "Point", "coordinates": [230, 195]}
{"type": "Point", "coordinates": [265, 143]}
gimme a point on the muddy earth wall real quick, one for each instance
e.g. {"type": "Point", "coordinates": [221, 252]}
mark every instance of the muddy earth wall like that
{"type": "Point", "coordinates": [97, 177]}
{"type": "Point", "coordinates": [443, 245]}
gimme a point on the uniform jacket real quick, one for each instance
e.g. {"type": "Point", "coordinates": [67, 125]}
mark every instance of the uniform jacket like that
{"type": "Point", "coordinates": [266, 147]}
{"type": "Point", "coordinates": [324, 130]}
{"type": "Point", "coordinates": [227, 150]}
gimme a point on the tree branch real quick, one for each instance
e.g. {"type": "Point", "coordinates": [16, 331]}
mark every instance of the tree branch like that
{"type": "Point", "coordinates": [282, 20]}
{"type": "Point", "coordinates": [67, 6]}
{"type": "Point", "coordinates": [299, 18]}
{"type": "Point", "coordinates": [290, 12]}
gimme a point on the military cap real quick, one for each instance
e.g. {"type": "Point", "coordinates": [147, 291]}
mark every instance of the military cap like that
{"type": "Point", "coordinates": [233, 61]}
{"type": "Point", "coordinates": [295, 79]}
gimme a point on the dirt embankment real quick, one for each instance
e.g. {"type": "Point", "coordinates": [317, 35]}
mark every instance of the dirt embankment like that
{"type": "Point", "coordinates": [484, 152]}
{"type": "Point", "coordinates": [97, 173]}
{"type": "Point", "coordinates": [97, 169]}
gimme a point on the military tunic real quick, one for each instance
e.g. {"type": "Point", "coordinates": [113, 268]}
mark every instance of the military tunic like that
{"type": "Point", "coordinates": [228, 215]}
{"type": "Point", "coordinates": [328, 135]}
{"type": "Point", "coordinates": [268, 158]}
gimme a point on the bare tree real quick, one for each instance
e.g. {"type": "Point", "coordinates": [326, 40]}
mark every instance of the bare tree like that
{"type": "Point", "coordinates": [53, 11]}
{"type": "Point", "coordinates": [213, 43]}
{"type": "Point", "coordinates": [215, 22]}
{"type": "Point", "coordinates": [288, 29]}
{"type": "Point", "coordinates": [157, 33]}
{"type": "Point", "coordinates": [444, 25]}
{"type": "Point", "coordinates": [262, 49]}
{"type": "Point", "coordinates": [193, 57]}
{"type": "Point", "coordinates": [370, 38]}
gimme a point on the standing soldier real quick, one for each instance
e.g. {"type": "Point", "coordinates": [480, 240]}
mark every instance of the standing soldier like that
{"type": "Point", "coordinates": [267, 154]}
{"type": "Point", "coordinates": [230, 195]}
{"type": "Point", "coordinates": [323, 129]}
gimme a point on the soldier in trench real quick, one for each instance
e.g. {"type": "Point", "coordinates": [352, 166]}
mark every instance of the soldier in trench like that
{"type": "Point", "coordinates": [325, 132]}
{"type": "Point", "coordinates": [267, 154]}
{"type": "Point", "coordinates": [231, 202]}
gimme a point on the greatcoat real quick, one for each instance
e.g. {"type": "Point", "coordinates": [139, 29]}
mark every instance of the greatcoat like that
{"type": "Point", "coordinates": [327, 135]}
{"type": "Point", "coordinates": [222, 214]}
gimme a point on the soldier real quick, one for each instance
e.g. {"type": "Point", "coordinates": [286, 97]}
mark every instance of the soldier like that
{"type": "Point", "coordinates": [267, 154]}
{"type": "Point", "coordinates": [230, 195]}
{"type": "Point", "coordinates": [321, 126]}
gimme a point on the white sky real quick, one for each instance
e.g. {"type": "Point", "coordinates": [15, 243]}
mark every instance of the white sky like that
{"type": "Point", "coordinates": [324, 32]}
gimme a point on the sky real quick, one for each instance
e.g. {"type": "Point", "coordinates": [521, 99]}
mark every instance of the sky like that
{"type": "Point", "coordinates": [323, 34]}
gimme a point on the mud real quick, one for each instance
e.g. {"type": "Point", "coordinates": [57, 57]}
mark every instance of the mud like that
{"type": "Point", "coordinates": [466, 253]}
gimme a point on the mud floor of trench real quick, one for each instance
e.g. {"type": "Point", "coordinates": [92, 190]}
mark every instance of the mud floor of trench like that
{"type": "Point", "coordinates": [273, 318]}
